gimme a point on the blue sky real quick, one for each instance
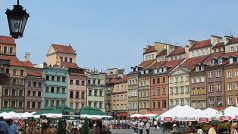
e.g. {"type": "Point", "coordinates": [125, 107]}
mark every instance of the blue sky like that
{"type": "Point", "coordinates": [112, 33]}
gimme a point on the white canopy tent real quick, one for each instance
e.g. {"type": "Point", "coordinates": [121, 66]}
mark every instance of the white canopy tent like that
{"type": "Point", "coordinates": [137, 116]}
{"type": "Point", "coordinates": [210, 112]}
{"type": "Point", "coordinates": [182, 113]}
{"type": "Point", "coordinates": [229, 113]}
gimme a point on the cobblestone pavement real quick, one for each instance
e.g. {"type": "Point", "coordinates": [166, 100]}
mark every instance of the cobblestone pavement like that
{"type": "Point", "coordinates": [131, 131]}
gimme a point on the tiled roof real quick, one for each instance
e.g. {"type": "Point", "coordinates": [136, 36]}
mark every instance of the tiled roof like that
{"type": "Point", "coordinates": [69, 65]}
{"type": "Point", "coordinates": [27, 64]}
{"type": "Point", "coordinates": [232, 41]}
{"type": "Point", "coordinates": [227, 55]}
{"type": "Point", "coordinates": [191, 62]}
{"type": "Point", "coordinates": [212, 56]}
{"type": "Point", "coordinates": [150, 49]}
{"type": "Point", "coordinates": [178, 51]}
{"type": "Point", "coordinates": [147, 64]}
{"type": "Point", "coordinates": [118, 80]}
{"type": "Point", "coordinates": [221, 44]}
{"type": "Point", "coordinates": [63, 49]}
{"type": "Point", "coordinates": [34, 73]}
{"type": "Point", "coordinates": [7, 40]}
{"type": "Point", "coordinates": [158, 64]}
{"type": "Point", "coordinates": [162, 53]}
{"type": "Point", "coordinates": [14, 61]}
{"type": "Point", "coordinates": [172, 64]}
{"type": "Point", "coordinates": [201, 44]}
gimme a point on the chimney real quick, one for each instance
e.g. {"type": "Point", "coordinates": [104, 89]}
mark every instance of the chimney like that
{"type": "Point", "coordinates": [215, 40]}
{"type": "Point", "coordinates": [27, 56]}
{"type": "Point", "coordinates": [226, 39]}
{"type": "Point", "coordinates": [146, 48]}
{"type": "Point", "coordinates": [190, 43]}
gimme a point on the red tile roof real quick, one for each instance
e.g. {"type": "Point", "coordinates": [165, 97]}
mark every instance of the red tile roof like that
{"type": "Point", "coordinates": [162, 53]}
{"type": "Point", "coordinates": [63, 49]}
{"type": "Point", "coordinates": [201, 44]}
{"type": "Point", "coordinates": [178, 51]}
{"type": "Point", "coordinates": [118, 80]}
{"type": "Point", "coordinates": [212, 56]}
{"type": "Point", "coordinates": [191, 62]}
{"type": "Point", "coordinates": [227, 55]}
{"type": "Point", "coordinates": [7, 40]}
{"type": "Point", "coordinates": [219, 45]}
{"type": "Point", "coordinates": [34, 73]}
{"type": "Point", "coordinates": [69, 65]}
{"type": "Point", "coordinates": [14, 61]}
{"type": "Point", "coordinates": [150, 49]}
{"type": "Point", "coordinates": [172, 64]}
{"type": "Point", "coordinates": [232, 41]}
{"type": "Point", "coordinates": [27, 64]}
{"type": "Point", "coordinates": [147, 64]}
{"type": "Point", "coordinates": [158, 64]}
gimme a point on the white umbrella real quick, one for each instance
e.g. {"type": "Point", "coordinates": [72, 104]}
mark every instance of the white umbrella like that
{"type": "Point", "coordinates": [150, 115]}
{"type": "Point", "coordinates": [210, 112]}
{"type": "Point", "coordinates": [229, 113]}
{"type": "Point", "coordinates": [136, 116]}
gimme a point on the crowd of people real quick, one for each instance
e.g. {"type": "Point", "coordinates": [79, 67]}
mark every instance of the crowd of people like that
{"type": "Point", "coordinates": [8, 127]}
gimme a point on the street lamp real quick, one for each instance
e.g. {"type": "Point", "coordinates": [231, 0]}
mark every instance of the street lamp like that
{"type": "Point", "coordinates": [17, 18]}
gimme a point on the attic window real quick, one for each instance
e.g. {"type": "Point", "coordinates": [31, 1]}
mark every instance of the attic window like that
{"type": "Point", "coordinates": [147, 71]}
{"type": "Point", "coordinates": [220, 61]}
{"type": "Point", "coordinates": [142, 72]}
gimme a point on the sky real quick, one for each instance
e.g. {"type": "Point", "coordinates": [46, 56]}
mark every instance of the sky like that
{"type": "Point", "coordinates": [113, 33]}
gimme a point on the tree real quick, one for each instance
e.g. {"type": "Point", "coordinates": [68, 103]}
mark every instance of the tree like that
{"type": "Point", "coordinates": [85, 126]}
{"type": "Point", "coordinates": [61, 127]}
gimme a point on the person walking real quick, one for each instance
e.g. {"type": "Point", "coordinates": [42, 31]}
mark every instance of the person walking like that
{"type": "Point", "coordinates": [147, 127]}
{"type": "Point", "coordinates": [140, 127]}
{"type": "Point", "coordinates": [3, 126]}
{"type": "Point", "coordinates": [12, 128]}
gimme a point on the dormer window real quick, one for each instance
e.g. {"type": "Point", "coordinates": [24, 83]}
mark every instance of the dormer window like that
{"type": "Point", "coordinates": [147, 71]}
{"type": "Point", "coordinates": [142, 72]}
{"type": "Point", "coordinates": [197, 68]}
{"type": "Point", "coordinates": [132, 69]}
{"type": "Point", "coordinates": [156, 71]}
{"type": "Point", "coordinates": [220, 61]}
{"type": "Point", "coordinates": [165, 69]}
{"type": "Point", "coordinates": [137, 69]}
{"type": "Point", "coordinates": [202, 68]}
{"type": "Point", "coordinates": [231, 60]}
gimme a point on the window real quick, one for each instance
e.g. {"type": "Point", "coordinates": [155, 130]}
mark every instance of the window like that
{"type": "Point", "coordinates": [181, 79]}
{"type": "Point", "coordinates": [57, 102]}
{"type": "Point", "coordinates": [182, 102]}
{"type": "Point", "coordinates": [229, 86]}
{"type": "Point", "coordinates": [52, 89]}
{"type": "Point", "coordinates": [218, 73]}
{"type": "Point", "coordinates": [176, 79]}
{"type": "Point", "coordinates": [182, 90]}
{"type": "Point", "coordinates": [5, 49]}
{"type": "Point", "coordinates": [33, 104]}
{"type": "Point", "coordinates": [100, 104]}
{"type": "Point", "coordinates": [11, 50]}
{"type": "Point", "coordinates": [163, 79]}
{"type": "Point", "coordinates": [14, 81]}
{"type": "Point", "coordinates": [34, 93]}
{"type": "Point", "coordinates": [164, 103]}
{"type": "Point", "coordinates": [171, 90]}
{"type": "Point", "coordinates": [13, 92]}
{"type": "Point", "coordinates": [63, 90]}
{"type": "Point", "coordinates": [158, 104]}
{"type": "Point", "coordinates": [218, 87]}
{"type": "Point", "coordinates": [21, 93]}
{"type": "Point", "coordinates": [6, 92]}
{"type": "Point", "coordinates": [232, 49]}
{"type": "Point", "coordinates": [77, 82]}
{"type": "Point", "coordinates": [71, 82]}
{"type": "Point", "coordinates": [47, 77]}
{"type": "Point", "coordinates": [65, 59]}
{"type": "Point", "coordinates": [219, 102]}
{"type": "Point", "coordinates": [39, 84]}
{"type": "Point", "coordinates": [90, 103]}
{"type": "Point", "coordinates": [89, 92]}
{"type": "Point", "coordinates": [71, 94]}
{"type": "Point", "coordinates": [52, 103]}
{"type": "Point", "coordinates": [52, 78]}
{"type": "Point", "coordinates": [83, 83]}
{"type": "Point", "coordinates": [229, 74]}
{"type": "Point", "coordinates": [5, 103]}
{"type": "Point", "coordinates": [94, 81]}
{"type": "Point", "coordinates": [39, 104]}
{"type": "Point", "coordinates": [20, 104]}
{"type": "Point", "coordinates": [176, 90]}
{"type": "Point", "coordinates": [89, 81]}
{"type": "Point", "coordinates": [95, 104]}
{"type": "Point", "coordinates": [28, 104]}
{"type": "Point", "coordinates": [58, 78]}
{"type": "Point", "coordinates": [164, 90]}
{"type": "Point", "coordinates": [39, 93]}
{"type": "Point", "coordinates": [82, 95]}
{"type": "Point", "coordinates": [210, 88]}
{"type": "Point", "coordinates": [47, 89]}
{"type": "Point", "coordinates": [159, 92]}
{"type": "Point", "coordinates": [61, 59]}
{"type": "Point", "coordinates": [153, 104]}
{"type": "Point", "coordinates": [95, 92]}
{"type": "Point", "coordinates": [211, 102]}
{"type": "Point", "coordinates": [158, 80]}
{"type": "Point", "coordinates": [70, 60]}
{"type": "Point", "coordinates": [210, 74]}
{"type": "Point", "coordinates": [63, 79]}
{"type": "Point", "coordinates": [28, 93]}
{"type": "Point", "coordinates": [29, 83]}
{"type": "Point", "coordinates": [13, 103]}
{"type": "Point", "coordinates": [99, 82]}
{"type": "Point", "coordinates": [100, 93]}
{"type": "Point", "coordinates": [153, 81]}
{"type": "Point", "coordinates": [34, 84]}
{"type": "Point", "coordinates": [58, 90]}
{"type": "Point", "coordinates": [21, 72]}
{"type": "Point", "coordinates": [77, 95]}
{"type": "Point", "coordinates": [230, 101]}
{"type": "Point", "coordinates": [14, 72]}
